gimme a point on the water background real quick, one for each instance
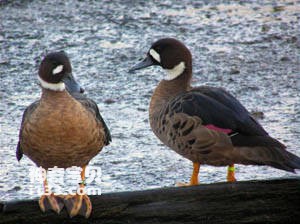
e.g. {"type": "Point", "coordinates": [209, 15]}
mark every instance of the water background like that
{"type": "Point", "coordinates": [251, 48]}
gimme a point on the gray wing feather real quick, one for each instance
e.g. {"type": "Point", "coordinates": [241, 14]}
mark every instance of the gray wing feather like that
{"type": "Point", "coordinates": [92, 106]}
{"type": "Point", "coordinates": [28, 111]}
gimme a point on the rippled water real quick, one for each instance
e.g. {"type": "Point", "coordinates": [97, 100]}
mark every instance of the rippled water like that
{"type": "Point", "coordinates": [250, 49]}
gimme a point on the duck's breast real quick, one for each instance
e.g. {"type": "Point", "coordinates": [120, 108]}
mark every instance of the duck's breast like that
{"type": "Point", "coordinates": [61, 134]}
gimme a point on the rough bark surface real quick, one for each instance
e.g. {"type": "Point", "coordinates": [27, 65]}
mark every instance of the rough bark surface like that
{"type": "Point", "coordinates": [267, 201]}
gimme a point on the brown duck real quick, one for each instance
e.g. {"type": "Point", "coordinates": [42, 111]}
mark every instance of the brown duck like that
{"type": "Point", "coordinates": [63, 129]}
{"type": "Point", "coordinates": [206, 125]}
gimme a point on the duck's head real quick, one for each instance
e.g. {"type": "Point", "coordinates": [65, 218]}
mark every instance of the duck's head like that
{"type": "Point", "coordinates": [172, 55]}
{"type": "Point", "coordinates": [55, 73]}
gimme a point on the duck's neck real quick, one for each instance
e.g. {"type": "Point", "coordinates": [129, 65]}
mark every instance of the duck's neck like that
{"type": "Point", "coordinates": [168, 89]}
{"type": "Point", "coordinates": [55, 97]}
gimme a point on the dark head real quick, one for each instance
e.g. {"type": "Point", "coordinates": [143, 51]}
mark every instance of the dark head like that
{"type": "Point", "coordinates": [171, 55]}
{"type": "Point", "coordinates": [55, 73]}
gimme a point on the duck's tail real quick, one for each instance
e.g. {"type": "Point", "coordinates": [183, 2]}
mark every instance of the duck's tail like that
{"type": "Point", "coordinates": [265, 150]}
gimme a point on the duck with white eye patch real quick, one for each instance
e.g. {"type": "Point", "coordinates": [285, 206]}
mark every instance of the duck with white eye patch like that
{"type": "Point", "coordinates": [58, 70]}
{"type": "Point", "coordinates": [62, 129]}
{"type": "Point", "coordinates": [206, 125]}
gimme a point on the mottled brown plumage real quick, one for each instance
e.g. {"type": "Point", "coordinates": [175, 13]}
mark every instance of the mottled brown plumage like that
{"type": "Point", "coordinates": [206, 125]}
{"type": "Point", "coordinates": [183, 133]}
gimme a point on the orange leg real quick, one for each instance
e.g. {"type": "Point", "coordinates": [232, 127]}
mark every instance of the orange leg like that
{"type": "Point", "coordinates": [49, 201]}
{"type": "Point", "coordinates": [79, 204]}
{"type": "Point", "coordinates": [230, 173]}
{"type": "Point", "coordinates": [194, 177]}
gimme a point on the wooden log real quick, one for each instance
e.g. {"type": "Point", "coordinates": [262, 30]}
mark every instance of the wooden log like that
{"type": "Point", "coordinates": [267, 201]}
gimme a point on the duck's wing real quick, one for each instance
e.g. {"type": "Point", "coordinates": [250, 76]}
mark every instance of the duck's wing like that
{"type": "Point", "coordinates": [221, 112]}
{"type": "Point", "coordinates": [28, 111]}
{"type": "Point", "coordinates": [91, 105]}
{"type": "Point", "coordinates": [217, 109]}
{"type": "Point", "coordinates": [241, 120]}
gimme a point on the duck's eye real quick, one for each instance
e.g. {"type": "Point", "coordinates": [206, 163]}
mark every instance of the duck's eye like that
{"type": "Point", "coordinates": [57, 69]}
{"type": "Point", "coordinates": [157, 48]}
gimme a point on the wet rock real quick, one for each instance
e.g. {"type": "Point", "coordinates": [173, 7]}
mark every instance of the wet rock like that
{"type": "Point", "coordinates": [278, 8]}
{"type": "Point", "coordinates": [285, 58]}
{"type": "Point", "coordinates": [292, 39]}
{"type": "Point", "coordinates": [109, 101]}
{"type": "Point", "coordinates": [16, 188]}
{"type": "Point", "coordinates": [141, 109]}
{"type": "Point", "coordinates": [4, 61]}
{"type": "Point", "coordinates": [234, 71]}
{"type": "Point", "coordinates": [265, 28]}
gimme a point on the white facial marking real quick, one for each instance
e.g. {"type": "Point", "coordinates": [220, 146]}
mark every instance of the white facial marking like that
{"type": "Point", "coordinates": [57, 69]}
{"type": "Point", "coordinates": [155, 55]}
{"type": "Point", "coordinates": [175, 72]}
{"type": "Point", "coordinates": [52, 86]}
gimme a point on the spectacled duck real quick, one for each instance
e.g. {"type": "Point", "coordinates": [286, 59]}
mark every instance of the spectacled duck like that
{"type": "Point", "coordinates": [62, 129]}
{"type": "Point", "coordinates": [206, 125]}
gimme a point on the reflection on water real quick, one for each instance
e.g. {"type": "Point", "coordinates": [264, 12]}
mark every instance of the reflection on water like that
{"type": "Point", "coordinates": [250, 49]}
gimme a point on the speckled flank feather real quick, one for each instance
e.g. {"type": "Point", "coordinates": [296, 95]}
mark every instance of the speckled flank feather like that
{"type": "Point", "coordinates": [181, 133]}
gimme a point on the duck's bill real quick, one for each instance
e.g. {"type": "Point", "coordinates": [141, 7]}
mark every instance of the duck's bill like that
{"type": "Point", "coordinates": [72, 85]}
{"type": "Point", "coordinates": [143, 64]}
